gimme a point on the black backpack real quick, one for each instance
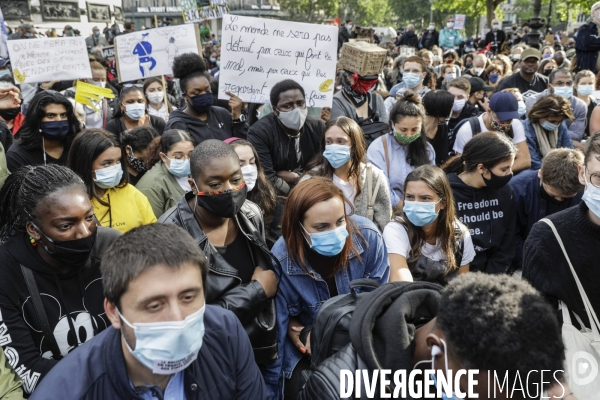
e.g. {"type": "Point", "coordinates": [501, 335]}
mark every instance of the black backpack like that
{"type": "Point", "coordinates": [331, 327]}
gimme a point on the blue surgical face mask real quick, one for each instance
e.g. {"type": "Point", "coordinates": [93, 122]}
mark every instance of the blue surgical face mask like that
{"type": "Point", "coordinates": [337, 154]}
{"type": "Point", "coordinates": [493, 78]}
{"type": "Point", "coordinates": [412, 79]}
{"type": "Point", "coordinates": [420, 213]}
{"type": "Point", "coordinates": [218, 63]}
{"type": "Point", "coordinates": [4, 72]}
{"type": "Point", "coordinates": [55, 130]}
{"type": "Point", "coordinates": [565, 91]}
{"type": "Point", "coordinates": [135, 111]}
{"type": "Point", "coordinates": [108, 177]}
{"type": "Point", "coordinates": [179, 168]}
{"type": "Point", "coordinates": [166, 348]}
{"type": "Point", "coordinates": [522, 108]}
{"type": "Point", "coordinates": [584, 90]}
{"type": "Point", "coordinates": [212, 60]}
{"type": "Point", "coordinates": [591, 196]}
{"type": "Point", "coordinates": [328, 243]}
{"type": "Point", "coordinates": [549, 126]}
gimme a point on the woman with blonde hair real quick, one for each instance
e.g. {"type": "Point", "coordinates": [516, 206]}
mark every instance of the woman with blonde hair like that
{"type": "Point", "coordinates": [544, 128]}
{"type": "Point", "coordinates": [343, 160]}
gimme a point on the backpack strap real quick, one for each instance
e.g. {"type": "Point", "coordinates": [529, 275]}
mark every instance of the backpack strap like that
{"type": "Point", "coordinates": [371, 192]}
{"type": "Point", "coordinates": [475, 126]}
{"type": "Point", "coordinates": [38, 306]}
{"type": "Point", "coordinates": [387, 156]}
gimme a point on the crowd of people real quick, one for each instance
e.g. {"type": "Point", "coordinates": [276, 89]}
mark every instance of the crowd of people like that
{"type": "Point", "coordinates": [170, 245]}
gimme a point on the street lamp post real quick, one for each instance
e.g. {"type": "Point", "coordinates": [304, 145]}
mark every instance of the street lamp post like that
{"type": "Point", "coordinates": [535, 24]}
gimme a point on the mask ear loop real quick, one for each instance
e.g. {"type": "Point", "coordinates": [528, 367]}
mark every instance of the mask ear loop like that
{"type": "Point", "coordinates": [445, 354]}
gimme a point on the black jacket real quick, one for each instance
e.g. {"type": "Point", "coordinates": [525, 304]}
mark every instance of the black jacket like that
{"type": "Point", "coordinates": [223, 287]}
{"type": "Point", "coordinates": [224, 368]}
{"type": "Point", "coordinates": [490, 215]}
{"type": "Point", "coordinates": [587, 47]}
{"type": "Point", "coordinates": [18, 156]}
{"type": "Point", "coordinates": [275, 148]}
{"type": "Point", "coordinates": [546, 268]}
{"type": "Point", "coordinates": [429, 39]}
{"type": "Point", "coordinates": [78, 292]}
{"type": "Point", "coordinates": [384, 320]}
{"type": "Point", "coordinates": [495, 37]}
{"type": "Point", "coordinates": [117, 126]}
{"type": "Point", "coordinates": [219, 125]}
{"type": "Point", "coordinates": [409, 39]}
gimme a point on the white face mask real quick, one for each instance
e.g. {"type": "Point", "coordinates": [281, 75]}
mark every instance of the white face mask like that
{"type": "Point", "coordinates": [99, 84]}
{"type": "Point", "coordinates": [591, 196]}
{"type": "Point", "coordinates": [477, 70]}
{"type": "Point", "coordinates": [250, 173]}
{"type": "Point", "coordinates": [458, 105]}
{"type": "Point", "coordinates": [294, 119]}
{"type": "Point", "coordinates": [450, 25]}
{"type": "Point", "coordinates": [155, 97]}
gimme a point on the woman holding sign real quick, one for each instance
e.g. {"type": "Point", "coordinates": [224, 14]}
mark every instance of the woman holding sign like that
{"type": "Point", "coordinates": [200, 117]}
{"type": "Point", "coordinates": [46, 135]}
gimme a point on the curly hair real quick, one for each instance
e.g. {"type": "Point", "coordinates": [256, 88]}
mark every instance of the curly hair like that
{"type": "Point", "coordinates": [499, 323]}
{"type": "Point", "coordinates": [189, 66]}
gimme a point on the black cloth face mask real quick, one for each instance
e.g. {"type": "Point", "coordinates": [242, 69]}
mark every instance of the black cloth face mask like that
{"type": "Point", "coordinates": [497, 182]}
{"type": "Point", "coordinates": [8, 114]}
{"type": "Point", "coordinates": [71, 253]}
{"type": "Point", "coordinates": [224, 204]}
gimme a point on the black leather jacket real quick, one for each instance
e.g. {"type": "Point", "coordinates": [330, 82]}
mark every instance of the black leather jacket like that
{"type": "Point", "coordinates": [224, 288]}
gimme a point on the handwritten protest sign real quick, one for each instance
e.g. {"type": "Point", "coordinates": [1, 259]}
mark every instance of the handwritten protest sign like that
{"type": "Point", "coordinates": [195, 11]}
{"type": "Point", "coordinates": [49, 59]}
{"type": "Point", "coordinates": [258, 53]}
{"type": "Point", "coordinates": [143, 54]}
{"type": "Point", "coordinates": [459, 21]}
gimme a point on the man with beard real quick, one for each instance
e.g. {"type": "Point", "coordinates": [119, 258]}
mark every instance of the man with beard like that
{"type": "Point", "coordinates": [527, 80]}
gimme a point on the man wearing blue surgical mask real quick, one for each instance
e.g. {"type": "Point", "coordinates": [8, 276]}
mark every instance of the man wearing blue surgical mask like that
{"type": "Point", "coordinates": [95, 39]}
{"type": "Point", "coordinates": [166, 342]}
{"type": "Point", "coordinates": [561, 84]}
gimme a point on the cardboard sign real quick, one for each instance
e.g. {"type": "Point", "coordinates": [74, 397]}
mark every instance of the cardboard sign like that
{"type": "Point", "coordinates": [459, 21]}
{"type": "Point", "coordinates": [49, 59]}
{"type": "Point", "coordinates": [108, 51]}
{"type": "Point", "coordinates": [549, 38]}
{"type": "Point", "coordinates": [257, 53]}
{"type": "Point", "coordinates": [143, 54]}
{"type": "Point", "coordinates": [363, 58]}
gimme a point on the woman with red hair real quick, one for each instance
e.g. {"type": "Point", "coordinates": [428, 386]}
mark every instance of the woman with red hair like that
{"type": "Point", "coordinates": [322, 249]}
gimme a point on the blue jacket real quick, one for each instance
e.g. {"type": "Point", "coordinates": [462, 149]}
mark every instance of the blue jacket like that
{"type": "Point", "coordinates": [564, 140]}
{"type": "Point", "coordinates": [444, 38]}
{"type": "Point", "coordinates": [531, 207]}
{"type": "Point", "coordinates": [301, 295]}
{"type": "Point", "coordinates": [225, 367]}
{"type": "Point", "coordinates": [587, 47]}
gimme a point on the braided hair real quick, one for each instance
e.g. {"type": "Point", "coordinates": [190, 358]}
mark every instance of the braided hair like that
{"type": "Point", "coordinates": [26, 188]}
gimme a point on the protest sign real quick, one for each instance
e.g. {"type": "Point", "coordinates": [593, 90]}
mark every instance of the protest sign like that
{"type": "Point", "coordinates": [108, 51]}
{"type": "Point", "coordinates": [258, 53]}
{"type": "Point", "coordinates": [363, 58]}
{"type": "Point", "coordinates": [143, 54]}
{"type": "Point", "coordinates": [406, 51]}
{"type": "Point", "coordinates": [196, 11]}
{"type": "Point", "coordinates": [459, 21]}
{"type": "Point", "coordinates": [49, 59]}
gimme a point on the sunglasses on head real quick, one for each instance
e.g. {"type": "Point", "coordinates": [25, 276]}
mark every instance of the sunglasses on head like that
{"type": "Point", "coordinates": [130, 85]}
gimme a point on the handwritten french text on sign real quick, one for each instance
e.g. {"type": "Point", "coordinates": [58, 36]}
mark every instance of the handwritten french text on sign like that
{"type": "Point", "coordinates": [258, 53]}
{"type": "Point", "coordinates": [50, 59]}
{"type": "Point", "coordinates": [143, 54]}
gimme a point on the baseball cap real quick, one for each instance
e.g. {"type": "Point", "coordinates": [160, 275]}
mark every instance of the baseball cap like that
{"type": "Point", "coordinates": [478, 84]}
{"type": "Point", "coordinates": [3, 62]}
{"type": "Point", "coordinates": [505, 106]}
{"type": "Point", "coordinates": [531, 52]}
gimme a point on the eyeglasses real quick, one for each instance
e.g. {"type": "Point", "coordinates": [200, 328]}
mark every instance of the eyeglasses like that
{"type": "Point", "coordinates": [594, 179]}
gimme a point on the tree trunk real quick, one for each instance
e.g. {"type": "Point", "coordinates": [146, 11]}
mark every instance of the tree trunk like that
{"type": "Point", "coordinates": [490, 6]}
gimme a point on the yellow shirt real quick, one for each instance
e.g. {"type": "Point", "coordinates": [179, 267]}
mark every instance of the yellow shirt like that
{"type": "Point", "coordinates": [128, 209]}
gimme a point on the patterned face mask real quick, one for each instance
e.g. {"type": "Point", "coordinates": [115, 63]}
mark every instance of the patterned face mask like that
{"type": "Point", "coordinates": [498, 127]}
{"type": "Point", "coordinates": [405, 139]}
{"type": "Point", "coordinates": [136, 163]}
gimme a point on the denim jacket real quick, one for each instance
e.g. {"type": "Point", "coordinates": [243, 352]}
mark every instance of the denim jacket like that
{"type": "Point", "coordinates": [301, 295]}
